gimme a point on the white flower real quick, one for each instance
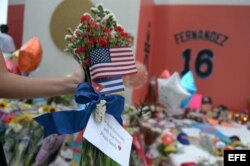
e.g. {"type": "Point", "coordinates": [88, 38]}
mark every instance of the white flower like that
{"type": "Point", "coordinates": [98, 18]}
{"type": "Point", "coordinates": [119, 25]}
{"type": "Point", "coordinates": [99, 112]}
{"type": "Point", "coordinates": [77, 32]}
{"type": "Point", "coordinates": [113, 33]}
{"type": "Point", "coordinates": [70, 45]}
{"type": "Point", "coordinates": [79, 26]}
{"type": "Point", "coordinates": [67, 37]}
{"type": "Point", "coordinates": [87, 14]}
{"type": "Point", "coordinates": [107, 11]}
{"type": "Point", "coordinates": [107, 16]}
{"type": "Point", "coordinates": [115, 19]}
{"type": "Point", "coordinates": [94, 9]}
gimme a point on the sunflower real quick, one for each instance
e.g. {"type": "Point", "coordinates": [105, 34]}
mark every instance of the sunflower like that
{"type": "Point", "coordinates": [3, 104]}
{"type": "Point", "coordinates": [45, 109]}
{"type": "Point", "coordinates": [52, 109]}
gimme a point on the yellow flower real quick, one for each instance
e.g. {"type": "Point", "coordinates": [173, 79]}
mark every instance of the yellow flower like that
{"type": "Point", "coordinates": [237, 143]}
{"type": "Point", "coordinates": [170, 149]}
{"type": "Point", "coordinates": [52, 109]}
{"type": "Point", "coordinates": [25, 106]}
{"type": "Point", "coordinates": [45, 109]}
{"type": "Point", "coordinates": [26, 117]}
{"type": "Point", "coordinates": [3, 104]}
{"type": "Point", "coordinates": [218, 152]}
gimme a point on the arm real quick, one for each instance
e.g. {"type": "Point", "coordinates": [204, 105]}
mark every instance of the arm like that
{"type": "Point", "coordinates": [14, 86]}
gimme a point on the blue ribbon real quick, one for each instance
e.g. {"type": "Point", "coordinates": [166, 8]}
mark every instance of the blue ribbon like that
{"type": "Point", "coordinates": [68, 122]}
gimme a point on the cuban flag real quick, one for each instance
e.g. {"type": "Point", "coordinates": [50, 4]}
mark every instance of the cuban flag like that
{"type": "Point", "coordinates": [109, 62]}
{"type": "Point", "coordinates": [108, 85]}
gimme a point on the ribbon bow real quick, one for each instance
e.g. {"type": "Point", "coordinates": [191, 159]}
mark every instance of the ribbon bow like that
{"type": "Point", "coordinates": [68, 122]}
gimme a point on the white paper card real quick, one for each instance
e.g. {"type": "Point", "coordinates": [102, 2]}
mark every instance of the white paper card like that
{"type": "Point", "coordinates": [110, 137]}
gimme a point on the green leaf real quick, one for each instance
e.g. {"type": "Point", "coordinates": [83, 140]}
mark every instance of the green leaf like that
{"type": "Point", "coordinates": [70, 31]}
{"type": "Point", "coordinates": [100, 8]}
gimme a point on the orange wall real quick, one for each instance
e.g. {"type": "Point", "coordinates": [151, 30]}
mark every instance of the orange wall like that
{"type": "Point", "coordinates": [229, 82]}
{"type": "Point", "coordinates": [146, 18]}
{"type": "Point", "coordinates": [15, 22]}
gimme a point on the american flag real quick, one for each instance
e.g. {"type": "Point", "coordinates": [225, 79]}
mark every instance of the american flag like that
{"type": "Point", "coordinates": [108, 85]}
{"type": "Point", "coordinates": [108, 62]}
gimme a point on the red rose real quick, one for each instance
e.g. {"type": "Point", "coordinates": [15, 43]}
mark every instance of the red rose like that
{"type": "Point", "coordinates": [130, 37]}
{"type": "Point", "coordinates": [126, 35]}
{"type": "Point", "coordinates": [92, 24]}
{"type": "Point", "coordinates": [86, 18]}
{"type": "Point", "coordinates": [119, 29]}
{"type": "Point", "coordinates": [80, 50]}
{"type": "Point", "coordinates": [86, 62]}
{"type": "Point", "coordinates": [109, 36]}
{"type": "Point", "coordinates": [85, 36]}
{"type": "Point", "coordinates": [123, 34]}
{"type": "Point", "coordinates": [97, 25]}
{"type": "Point", "coordinates": [90, 43]}
{"type": "Point", "coordinates": [94, 40]}
{"type": "Point", "coordinates": [103, 42]}
{"type": "Point", "coordinates": [106, 30]}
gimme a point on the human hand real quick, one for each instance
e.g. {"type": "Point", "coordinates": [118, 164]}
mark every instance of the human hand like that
{"type": "Point", "coordinates": [79, 75]}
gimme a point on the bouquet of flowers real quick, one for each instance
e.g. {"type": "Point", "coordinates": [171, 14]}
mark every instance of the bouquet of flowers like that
{"type": "Point", "coordinates": [99, 30]}
{"type": "Point", "coordinates": [103, 48]}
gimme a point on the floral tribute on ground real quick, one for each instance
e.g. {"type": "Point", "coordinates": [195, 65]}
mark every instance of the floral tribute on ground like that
{"type": "Point", "coordinates": [104, 49]}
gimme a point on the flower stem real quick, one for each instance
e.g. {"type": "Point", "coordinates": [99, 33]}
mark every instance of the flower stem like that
{"type": "Point", "coordinates": [87, 73]}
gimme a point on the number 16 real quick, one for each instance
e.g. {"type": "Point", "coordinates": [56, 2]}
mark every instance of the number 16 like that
{"type": "Point", "coordinates": [204, 58]}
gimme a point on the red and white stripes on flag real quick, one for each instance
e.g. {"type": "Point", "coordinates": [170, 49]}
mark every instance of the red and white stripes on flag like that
{"type": "Point", "coordinates": [109, 62]}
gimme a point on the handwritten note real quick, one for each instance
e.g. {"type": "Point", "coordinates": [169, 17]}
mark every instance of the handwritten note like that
{"type": "Point", "coordinates": [110, 137]}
